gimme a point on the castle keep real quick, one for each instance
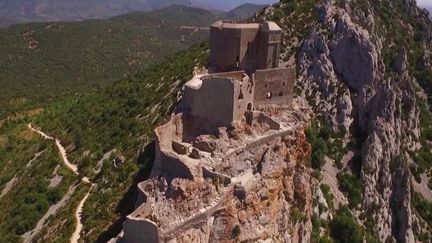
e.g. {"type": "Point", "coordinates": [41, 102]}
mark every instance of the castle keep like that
{"type": "Point", "coordinates": [243, 73]}
{"type": "Point", "coordinates": [244, 46]}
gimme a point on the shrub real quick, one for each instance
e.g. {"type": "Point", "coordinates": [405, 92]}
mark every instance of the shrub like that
{"type": "Point", "coordinates": [351, 187]}
{"type": "Point", "coordinates": [296, 215]}
{"type": "Point", "coordinates": [344, 228]}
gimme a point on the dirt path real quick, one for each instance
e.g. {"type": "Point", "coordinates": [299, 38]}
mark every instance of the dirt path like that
{"type": "Point", "coordinates": [60, 147]}
{"type": "Point", "coordinates": [8, 186]}
{"type": "Point", "coordinates": [78, 212]}
{"type": "Point", "coordinates": [28, 236]}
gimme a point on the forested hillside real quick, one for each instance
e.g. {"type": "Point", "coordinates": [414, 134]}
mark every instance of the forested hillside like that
{"type": "Point", "coordinates": [119, 117]}
{"type": "Point", "coordinates": [45, 60]}
{"type": "Point", "coordinates": [19, 11]}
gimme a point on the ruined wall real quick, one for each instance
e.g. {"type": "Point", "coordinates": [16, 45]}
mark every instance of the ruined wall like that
{"type": "Point", "coordinates": [140, 230]}
{"type": "Point", "coordinates": [166, 159]}
{"type": "Point", "coordinates": [211, 99]}
{"type": "Point", "coordinates": [276, 83]}
{"type": "Point", "coordinates": [244, 96]}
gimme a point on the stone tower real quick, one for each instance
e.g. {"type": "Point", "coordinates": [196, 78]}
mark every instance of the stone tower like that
{"type": "Point", "coordinates": [244, 46]}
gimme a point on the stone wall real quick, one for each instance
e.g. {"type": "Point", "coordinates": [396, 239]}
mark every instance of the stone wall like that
{"type": "Point", "coordinates": [211, 98]}
{"type": "Point", "coordinates": [241, 46]}
{"type": "Point", "coordinates": [244, 96]}
{"type": "Point", "coordinates": [269, 46]}
{"type": "Point", "coordinates": [140, 230]}
{"type": "Point", "coordinates": [233, 46]}
{"type": "Point", "coordinates": [165, 158]}
{"type": "Point", "coordinates": [274, 83]}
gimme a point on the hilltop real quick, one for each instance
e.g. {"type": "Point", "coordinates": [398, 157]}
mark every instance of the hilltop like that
{"type": "Point", "coordinates": [242, 12]}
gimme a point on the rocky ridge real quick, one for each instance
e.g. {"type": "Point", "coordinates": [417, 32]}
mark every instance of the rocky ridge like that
{"type": "Point", "coordinates": [345, 75]}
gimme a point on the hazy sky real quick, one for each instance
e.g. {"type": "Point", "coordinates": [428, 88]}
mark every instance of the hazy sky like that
{"type": "Point", "coordinates": [424, 2]}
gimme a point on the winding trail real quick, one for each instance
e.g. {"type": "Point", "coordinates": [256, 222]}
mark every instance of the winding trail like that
{"type": "Point", "coordinates": [78, 216]}
{"type": "Point", "coordinates": [78, 211]}
{"type": "Point", "coordinates": [60, 147]}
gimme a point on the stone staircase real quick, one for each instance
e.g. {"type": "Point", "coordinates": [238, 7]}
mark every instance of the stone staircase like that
{"type": "Point", "coordinates": [199, 217]}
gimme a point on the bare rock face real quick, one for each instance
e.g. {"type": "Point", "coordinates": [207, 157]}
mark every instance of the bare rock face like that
{"type": "Point", "coordinates": [343, 74]}
{"type": "Point", "coordinates": [354, 56]}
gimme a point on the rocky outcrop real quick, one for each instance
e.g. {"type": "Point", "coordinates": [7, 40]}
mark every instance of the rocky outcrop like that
{"type": "Point", "coordinates": [343, 73]}
{"type": "Point", "coordinates": [219, 187]}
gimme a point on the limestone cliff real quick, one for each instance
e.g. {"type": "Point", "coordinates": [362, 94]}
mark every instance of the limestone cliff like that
{"type": "Point", "coordinates": [354, 68]}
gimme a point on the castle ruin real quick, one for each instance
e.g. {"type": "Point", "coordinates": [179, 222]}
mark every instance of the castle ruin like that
{"type": "Point", "coordinates": [237, 137]}
{"type": "Point", "coordinates": [243, 73]}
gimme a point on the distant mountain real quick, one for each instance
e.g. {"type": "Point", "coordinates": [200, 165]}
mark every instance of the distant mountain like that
{"type": "Point", "coordinates": [242, 12]}
{"type": "Point", "coordinates": [20, 11]}
{"type": "Point", "coordinates": [45, 59]}
{"type": "Point", "coordinates": [24, 11]}
{"type": "Point", "coordinates": [227, 5]}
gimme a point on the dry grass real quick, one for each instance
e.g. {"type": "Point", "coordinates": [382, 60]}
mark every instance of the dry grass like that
{"type": "Point", "coordinates": [26, 134]}
{"type": "Point", "coordinates": [34, 112]}
{"type": "Point", "coordinates": [3, 140]}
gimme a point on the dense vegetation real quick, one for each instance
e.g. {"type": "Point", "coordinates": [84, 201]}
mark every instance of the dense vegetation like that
{"type": "Point", "coordinates": [350, 185]}
{"type": "Point", "coordinates": [344, 228]}
{"type": "Point", "coordinates": [49, 60]}
{"type": "Point", "coordinates": [119, 117]}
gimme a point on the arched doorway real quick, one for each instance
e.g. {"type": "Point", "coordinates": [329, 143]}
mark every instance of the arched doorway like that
{"type": "Point", "coordinates": [249, 106]}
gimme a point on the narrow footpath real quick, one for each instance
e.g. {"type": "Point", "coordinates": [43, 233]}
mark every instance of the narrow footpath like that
{"type": "Point", "coordinates": [78, 211]}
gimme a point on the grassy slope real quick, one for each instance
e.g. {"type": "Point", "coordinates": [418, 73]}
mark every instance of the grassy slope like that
{"type": "Point", "coordinates": [69, 57]}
